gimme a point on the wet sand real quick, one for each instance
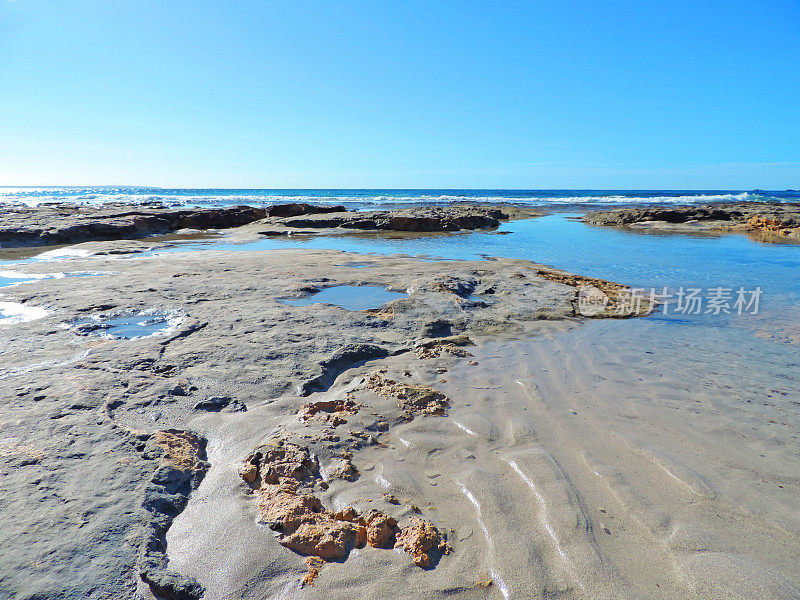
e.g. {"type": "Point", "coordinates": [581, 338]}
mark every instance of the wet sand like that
{"type": "Point", "coordinates": [573, 464]}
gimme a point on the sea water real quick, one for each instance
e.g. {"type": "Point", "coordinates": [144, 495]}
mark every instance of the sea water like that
{"type": "Point", "coordinates": [376, 198]}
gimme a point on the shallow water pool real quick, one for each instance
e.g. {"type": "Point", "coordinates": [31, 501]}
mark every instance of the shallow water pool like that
{"type": "Point", "coordinates": [350, 297]}
{"type": "Point", "coordinates": [132, 326]}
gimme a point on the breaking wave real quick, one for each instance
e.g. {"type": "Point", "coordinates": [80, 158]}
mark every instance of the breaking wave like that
{"type": "Point", "coordinates": [36, 196]}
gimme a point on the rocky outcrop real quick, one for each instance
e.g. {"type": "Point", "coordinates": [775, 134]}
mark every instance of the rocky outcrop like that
{"type": "Point", "coordinates": [773, 219]}
{"type": "Point", "coordinates": [788, 227]}
{"type": "Point", "coordinates": [295, 209]}
{"type": "Point", "coordinates": [69, 224]}
{"type": "Point", "coordinates": [421, 219]}
{"type": "Point", "coordinates": [681, 214]}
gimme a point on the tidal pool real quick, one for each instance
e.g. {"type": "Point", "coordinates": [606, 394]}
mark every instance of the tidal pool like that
{"type": "Point", "coordinates": [130, 326]}
{"type": "Point", "coordinates": [10, 278]}
{"type": "Point", "coordinates": [350, 297]}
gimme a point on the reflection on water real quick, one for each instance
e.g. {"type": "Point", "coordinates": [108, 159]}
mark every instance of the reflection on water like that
{"type": "Point", "coordinates": [350, 297]}
{"type": "Point", "coordinates": [131, 326]}
{"type": "Point", "coordinates": [12, 278]}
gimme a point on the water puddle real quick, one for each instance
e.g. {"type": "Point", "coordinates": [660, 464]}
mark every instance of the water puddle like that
{"type": "Point", "coordinates": [129, 326]}
{"type": "Point", "coordinates": [350, 297]}
{"type": "Point", "coordinates": [12, 278]}
{"type": "Point", "coordinates": [8, 278]}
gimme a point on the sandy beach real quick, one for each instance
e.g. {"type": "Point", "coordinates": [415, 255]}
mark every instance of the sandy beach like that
{"type": "Point", "coordinates": [186, 424]}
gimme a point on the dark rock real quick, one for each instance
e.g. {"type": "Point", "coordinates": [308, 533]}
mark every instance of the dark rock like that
{"type": "Point", "coordinates": [346, 358]}
{"type": "Point", "coordinates": [218, 403]}
{"type": "Point", "coordinates": [295, 209]}
{"type": "Point", "coordinates": [213, 403]}
{"type": "Point", "coordinates": [420, 219]}
{"type": "Point", "coordinates": [69, 224]}
{"type": "Point", "coordinates": [172, 586]}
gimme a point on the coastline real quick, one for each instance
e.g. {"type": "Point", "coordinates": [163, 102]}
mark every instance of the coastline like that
{"type": "Point", "coordinates": [235, 366]}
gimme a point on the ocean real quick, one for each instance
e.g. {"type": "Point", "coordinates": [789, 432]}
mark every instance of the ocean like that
{"type": "Point", "coordinates": [371, 198]}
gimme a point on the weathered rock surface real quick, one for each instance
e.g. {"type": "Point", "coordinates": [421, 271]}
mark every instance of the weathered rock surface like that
{"type": "Point", "coordinates": [775, 220]}
{"type": "Point", "coordinates": [69, 224]}
{"type": "Point", "coordinates": [413, 399]}
{"type": "Point", "coordinates": [419, 539]}
{"type": "Point", "coordinates": [420, 219]}
{"type": "Point", "coordinates": [332, 411]}
{"type": "Point", "coordinates": [182, 466]}
{"type": "Point", "coordinates": [453, 345]}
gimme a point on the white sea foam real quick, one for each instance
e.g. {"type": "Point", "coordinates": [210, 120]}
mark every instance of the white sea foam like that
{"type": "Point", "coordinates": [13, 312]}
{"type": "Point", "coordinates": [139, 196]}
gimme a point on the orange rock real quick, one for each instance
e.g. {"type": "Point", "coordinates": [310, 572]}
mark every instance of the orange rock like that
{"type": "Point", "coordinates": [381, 530]}
{"type": "Point", "coordinates": [182, 449]}
{"type": "Point", "coordinates": [314, 564]}
{"type": "Point", "coordinates": [343, 469]}
{"type": "Point", "coordinates": [349, 514]}
{"type": "Point", "coordinates": [418, 539]}
{"type": "Point", "coordinates": [249, 472]}
{"type": "Point", "coordinates": [413, 398]}
{"type": "Point", "coordinates": [309, 529]}
{"type": "Point", "coordinates": [764, 223]}
{"type": "Point", "coordinates": [325, 537]}
{"type": "Point", "coordinates": [335, 409]}
{"type": "Point", "coordinates": [285, 510]}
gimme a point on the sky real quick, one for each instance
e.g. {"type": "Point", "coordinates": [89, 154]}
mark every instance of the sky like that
{"type": "Point", "coordinates": [436, 94]}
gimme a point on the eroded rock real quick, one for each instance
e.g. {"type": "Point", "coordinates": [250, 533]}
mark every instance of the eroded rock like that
{"type": "Point", "coordinates": [381, 530]}
{"type": "Point", "coordinates": [343, 469]}
{"type": "Point", "coordinates": [414, 399]}
{"type": "Point", "coordinates": [779, 220]}
{"type": "Point", "coordinates": [332, 411]}
{"type": "Point", "coordinates": [451, 345]}
{"type": "Point", "coordinates": [182, 467]}
{"type": "Point", "coordinates": [325, 537]}
{"type": "Point", "coordinates": [419, 539]}
{"type": "Point", "coordinates": [307, 527]}
{"type": "Point", "coordinates": [278, 459]}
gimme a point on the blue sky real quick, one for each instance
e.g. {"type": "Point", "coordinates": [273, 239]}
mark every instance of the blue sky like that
{"type": "Point", "coordinates": [570, 94]}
